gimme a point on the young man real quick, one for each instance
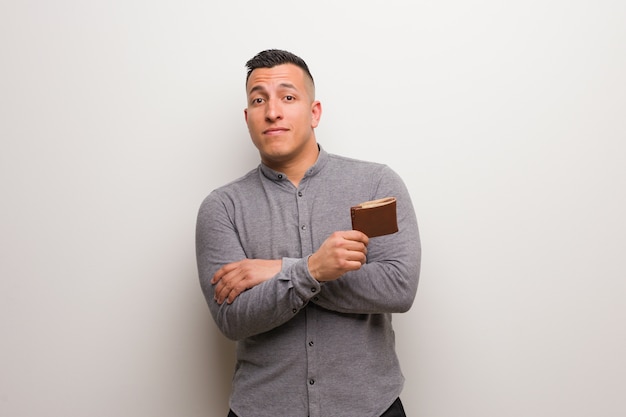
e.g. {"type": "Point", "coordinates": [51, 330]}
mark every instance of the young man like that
{"type": "Point", "coordinates": [308, 300]}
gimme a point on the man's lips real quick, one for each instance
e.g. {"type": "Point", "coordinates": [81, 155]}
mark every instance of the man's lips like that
{"type": "Point", "coordinates": [275, 130]}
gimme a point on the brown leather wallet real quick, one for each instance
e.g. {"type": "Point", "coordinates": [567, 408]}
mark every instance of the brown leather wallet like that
{"type": "Point", "coordinates": [375, 217]}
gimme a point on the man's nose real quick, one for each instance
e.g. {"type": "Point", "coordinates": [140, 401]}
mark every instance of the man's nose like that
{"type": "Point", "coordinates": [273, 111]}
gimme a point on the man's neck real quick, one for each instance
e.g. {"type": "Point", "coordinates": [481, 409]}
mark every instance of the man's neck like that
{"type": "Point", "coordinates": [296, 169]}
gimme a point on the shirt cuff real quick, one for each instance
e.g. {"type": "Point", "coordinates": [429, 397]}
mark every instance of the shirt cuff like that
{"type": "Point", "coordinates": [297, 271]}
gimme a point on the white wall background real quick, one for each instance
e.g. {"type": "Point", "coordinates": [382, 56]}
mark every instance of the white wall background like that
{"type": "Point", "coordinates": [506, 119]}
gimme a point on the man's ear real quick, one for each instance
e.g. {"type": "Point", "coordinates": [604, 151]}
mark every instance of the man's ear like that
{"type": "Point", "coordinates": [245, 114]}
{"type": "Point", "coordinates": [316, 113]}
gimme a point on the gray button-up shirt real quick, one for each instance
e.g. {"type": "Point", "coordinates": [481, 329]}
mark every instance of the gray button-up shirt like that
{"type": "Point", "coordinates": [305, 348]}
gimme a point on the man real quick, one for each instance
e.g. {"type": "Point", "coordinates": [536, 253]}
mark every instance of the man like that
{"type": "Point", "coordinates": [308, 300]}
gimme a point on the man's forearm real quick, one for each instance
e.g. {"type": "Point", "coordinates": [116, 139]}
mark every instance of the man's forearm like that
{"type": "Point", "coordinates": [375, 288]}
{"type": "Point", "coordinates": [266, 305]}
{"type": "Point", "coordinates": [234, 278]}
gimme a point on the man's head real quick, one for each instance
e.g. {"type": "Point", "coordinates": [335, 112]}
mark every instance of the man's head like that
{"type": "Point", "coordinates": [282, 112]}
{"type": "Point", "coordinates": [273, 57]}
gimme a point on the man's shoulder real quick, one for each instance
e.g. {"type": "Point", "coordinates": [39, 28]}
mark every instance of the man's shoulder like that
{"type": "Point", "coordinates": [238, 187]}
{"type": "Point", "coordinates": [361, 171]}
{"type": "Point", "coordinates": [346, 163]}
{"type": "Point", "coordinates": [247, 180]}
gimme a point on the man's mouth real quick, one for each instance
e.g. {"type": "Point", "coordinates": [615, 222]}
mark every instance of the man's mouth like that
{"type": "Point", "coordinates": [275, 130]}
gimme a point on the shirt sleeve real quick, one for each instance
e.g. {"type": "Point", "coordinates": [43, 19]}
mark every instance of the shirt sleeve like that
{"type": "Point", "coordinates": [261, 308]}
{"type": "Point", "coordinates": [387, 283]}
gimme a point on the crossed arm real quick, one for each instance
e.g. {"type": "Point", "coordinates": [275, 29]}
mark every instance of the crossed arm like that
{"type": "Point", "coordinates": [249, 295]}
{"type": "Point", "coordinates": [341, 252]}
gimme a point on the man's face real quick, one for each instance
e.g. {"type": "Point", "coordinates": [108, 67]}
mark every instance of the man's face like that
{"type": "Point", "coordinates": [281, 113]}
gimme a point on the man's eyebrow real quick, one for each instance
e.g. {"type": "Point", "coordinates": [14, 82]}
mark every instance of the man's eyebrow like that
{"type": "Point", "coordinates": [288, 85]}
{"type": "Point", "coordinates": [255, 89]}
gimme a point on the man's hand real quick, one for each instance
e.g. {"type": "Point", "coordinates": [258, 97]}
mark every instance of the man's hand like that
{"type": "Point", "coordinates": [342, 252]}
{"type": "Point", "coordinates": [234, 278]}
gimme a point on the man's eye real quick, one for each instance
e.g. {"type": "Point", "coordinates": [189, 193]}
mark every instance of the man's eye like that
{"type": "Point", "coordinates": [289, 98]}
{"type": "Point", "coordinates": [257, 100]}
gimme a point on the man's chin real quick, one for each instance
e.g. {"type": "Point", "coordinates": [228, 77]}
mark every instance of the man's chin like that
{"type": "Point", "coordinates": [276, 152]}
{"type": "Point", "coordinates": [275, 157]}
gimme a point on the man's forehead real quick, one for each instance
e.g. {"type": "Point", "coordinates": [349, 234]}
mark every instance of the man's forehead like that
{"type": "Point", "coordinates": [282, 74]}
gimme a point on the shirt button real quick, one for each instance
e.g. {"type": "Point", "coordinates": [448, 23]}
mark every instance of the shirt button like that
{"type": "Point", "coordinates": [311, 343]}
{"type": "Point", "coordinates": [299, 193]}
{"type": "Point", "coordinates": [294, 311]}
{"type": "Point", "coordinates": [313, 289]}
{"type": "Point", "coordinates": [304, 227]}
{"type": "Point", "coordinates": [280, 176]}
{"type": "Point", "coordinates": [311, 381]}
{"type": "Point", "coordinates": [316, 298]}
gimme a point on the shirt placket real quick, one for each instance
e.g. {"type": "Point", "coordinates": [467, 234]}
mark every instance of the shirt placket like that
{"type": "Point", "coordinates": [312, 378]}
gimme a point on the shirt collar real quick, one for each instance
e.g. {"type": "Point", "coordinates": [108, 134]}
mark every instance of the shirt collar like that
{"type": "Point", "coordinates": [319, 164]}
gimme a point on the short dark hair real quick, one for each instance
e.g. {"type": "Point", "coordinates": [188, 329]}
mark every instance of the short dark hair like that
{"type": "Point", "coordinates": [273, 57]}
